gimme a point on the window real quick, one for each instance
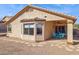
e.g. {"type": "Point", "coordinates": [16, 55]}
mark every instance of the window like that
{"type": "Point", "coordinates": [26, 28]}
{"type": "Point", "coordinates": [9, 28]}
{"type": "Point", "coordinates": [29, 29]}
{"type": "Point", "coordinates": [39, 29]}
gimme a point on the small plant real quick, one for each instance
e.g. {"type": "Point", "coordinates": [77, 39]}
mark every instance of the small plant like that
{"type": "Point", "coordinates": [76, 26]}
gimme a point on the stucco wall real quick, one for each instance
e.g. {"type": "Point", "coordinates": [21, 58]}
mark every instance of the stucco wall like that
{"type": "Point", "coordinates": [49, 28]}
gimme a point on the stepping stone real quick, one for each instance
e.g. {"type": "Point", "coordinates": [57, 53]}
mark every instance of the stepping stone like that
{"type": "Point", "coordinates": [77, 49]}
{"type": "Point", "coordinates": [10, 40]}
{"type": "Point", "coordinates": [60, 46]}
{"type": "Point", "coordinates": [63, 45]}
{"type": "Point", "coordinates": [40, 45]}
{"type": "Point", "coordinates": [21, 42]}
{"type": "Point", "coordinates": [26, 43]}
{"type": "Point", "coordinates": [16, 41]}
{"type": "Point", "coordinates": [71, 46]}
{"type": "Point", "coordinates": [68, 49]}
{"type": "Point", "coordinates": [51, 45]}
{"type": "Point", "coordinates": [29, 45]}
{"type": "Point", "coordinates": [43, 43]}
{"type": "Point", "coordinates": [4, 39]}
{"type": "Point", "coordinates": [56, 45]}
{"type": "Point", "coordinates": [77, 46]}
{"type": "Point", "coordinates": [34, 45]}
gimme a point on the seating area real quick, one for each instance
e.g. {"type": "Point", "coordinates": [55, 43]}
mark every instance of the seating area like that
{"type": "Point", "coordinates": [58, 35]}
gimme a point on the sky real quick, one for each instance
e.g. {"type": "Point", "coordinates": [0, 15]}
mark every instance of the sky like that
{"type": "Point", "coordinates": [12, 9]}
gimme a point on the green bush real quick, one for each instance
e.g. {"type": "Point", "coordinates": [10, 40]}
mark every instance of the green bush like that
{"type": "Point", "coordinates": [76, 25]}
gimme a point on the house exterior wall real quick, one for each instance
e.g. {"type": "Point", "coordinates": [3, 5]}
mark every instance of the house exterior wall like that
{"type": "Point", "coordinates": [17, 26]}
{"type": "Point", "coordinates": [49, 28]}
{"type": "Point", "coordinates": [16, 30]}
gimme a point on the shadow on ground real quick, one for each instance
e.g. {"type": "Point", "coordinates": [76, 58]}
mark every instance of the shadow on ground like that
{"type": "Point", "coordinates": [76, 43]}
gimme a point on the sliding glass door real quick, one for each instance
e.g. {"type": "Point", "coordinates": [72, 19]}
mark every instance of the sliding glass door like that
{"type": "Point", "coordinates": [39, 32]}
{"type": "Point", "coordinates": [60, 29]}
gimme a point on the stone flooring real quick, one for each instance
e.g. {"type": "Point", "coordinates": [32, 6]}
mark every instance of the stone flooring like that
{"type": "Point", "coordinates": [18, 46]}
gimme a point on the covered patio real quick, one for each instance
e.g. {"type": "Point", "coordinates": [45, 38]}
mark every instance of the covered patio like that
{"type": "Point", "coordinates": [61, 29]}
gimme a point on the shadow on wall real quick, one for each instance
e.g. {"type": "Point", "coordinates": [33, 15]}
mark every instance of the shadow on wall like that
{"type": "Point", "coordinates": [76, 34]}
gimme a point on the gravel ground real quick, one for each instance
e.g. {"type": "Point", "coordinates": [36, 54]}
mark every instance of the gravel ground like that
{"type": "Point", "coordinates": [11, 46]}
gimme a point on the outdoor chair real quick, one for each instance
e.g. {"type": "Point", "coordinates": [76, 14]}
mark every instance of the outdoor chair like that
{"type": "Point", "coordinates": [58, 35]}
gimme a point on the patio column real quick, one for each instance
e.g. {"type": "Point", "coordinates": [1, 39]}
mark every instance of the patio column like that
{"type": "Point", "coordinates": [35, 30]}
{"type": "Point", "coordinates": [69, 31]}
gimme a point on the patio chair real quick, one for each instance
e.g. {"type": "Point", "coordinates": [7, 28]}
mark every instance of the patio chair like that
{"type": "Point", "coordinates": [58, 35]}
{"type": "Point", "coordinates": [61, 35]}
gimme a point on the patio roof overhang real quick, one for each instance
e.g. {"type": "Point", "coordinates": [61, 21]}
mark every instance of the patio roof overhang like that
{"type": "Point", "coordinates": [33, 19]}
{"type": "Point", "coordinates": [41, 19]}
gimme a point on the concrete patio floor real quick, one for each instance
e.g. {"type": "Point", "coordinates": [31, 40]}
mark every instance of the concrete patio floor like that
{"type": "Point", "coordinates": [12, 46]}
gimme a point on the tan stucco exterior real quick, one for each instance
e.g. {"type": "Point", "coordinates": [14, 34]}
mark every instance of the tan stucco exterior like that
{"type": "Point", "coordinates": [48, 26]}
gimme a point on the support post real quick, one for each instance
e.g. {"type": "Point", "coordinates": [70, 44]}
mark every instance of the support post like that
{"type": "Point", "coordinates": [69, 31]}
